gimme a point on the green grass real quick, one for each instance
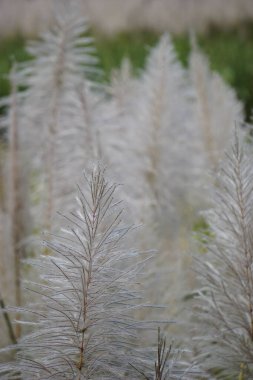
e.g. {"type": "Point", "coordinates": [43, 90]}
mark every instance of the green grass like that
{"type": "Point", "coordinates": [230, 54]}
{"type": "Point", "coordinates": [133, 46]}
{"type": "Point", "coordinates": [11, 50]}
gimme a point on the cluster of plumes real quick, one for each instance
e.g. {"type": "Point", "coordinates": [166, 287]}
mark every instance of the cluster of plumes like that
{"type": "Point", "coordinates": [87, 293]}
{"type": "Point", "coordinates": [169, 128]}
{"type": "Point", "coordinates": [40, 138]}
{"type": "Point", "coordinates": [160, 134]}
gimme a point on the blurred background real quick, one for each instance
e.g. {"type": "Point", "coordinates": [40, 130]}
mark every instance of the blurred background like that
{"type": "Point", "coordinates": [112, 16]}
{"type": "Point", "coordinates": [122, 28]}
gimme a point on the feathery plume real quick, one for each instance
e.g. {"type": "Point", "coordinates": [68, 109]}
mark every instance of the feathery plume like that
{"type": "Point", "coordinates": [88, 290]}
{"type": "Point", "coordinates": [225, 304]}
{"type": "Point", "coordinates": [62, 58]}
{"type": "Point", "coordinates": [217, 110]}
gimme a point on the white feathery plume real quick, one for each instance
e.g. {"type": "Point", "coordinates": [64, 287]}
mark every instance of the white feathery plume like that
{"type": "Point", "coordinates": [62, 58]}
{"type": "Point", "coordinates": [16, 189]}
{"type": "Point", "coordinates": [148, 144]}
{"type": "Point", "coordinates": [78, 142]}
{"type": "Point", "coordinates": [89, 287]}
{"type": "Point", "coordinates": [152, 151]}
{"type": "Point", "coordinates": [224, 314]}
{"type": "Point", "coordinates": [217, 110]}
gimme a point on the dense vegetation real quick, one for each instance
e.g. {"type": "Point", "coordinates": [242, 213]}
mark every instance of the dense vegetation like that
{"type": "Point", "coordinates": [152, 109]}
{"type": "Point", "coordinates": [230, 53]}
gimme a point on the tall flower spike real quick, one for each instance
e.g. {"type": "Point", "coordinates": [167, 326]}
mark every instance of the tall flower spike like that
{"type": "Point", "coordinates": [153, 146]}
{"type": "Point", "coordinates": [149, 143]}
{"type": "Point", "coordinates": [62, 58]}
{"type": "Point", "coordinates": [77, 143]}
{"type": "Point", "coordinates": [217, 110]}
{"type": "Point", "coordinates": [225, 302]}
{"type": "Point", "coordinates": [89, 291]}
{"type": "Point", "coordinates": [15, 186]}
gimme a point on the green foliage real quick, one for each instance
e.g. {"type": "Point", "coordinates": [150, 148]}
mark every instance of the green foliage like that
{"type": "Point", "coordinates": [183, 48]}
{"type": "Point", "coordinates": [202, 233]}
{"type": "Point", "coordinates": [11, 50]}
{"type": "Point", "coordinates": [134, 46]}
{"type": "Point", "coordinates": [231, 54]}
